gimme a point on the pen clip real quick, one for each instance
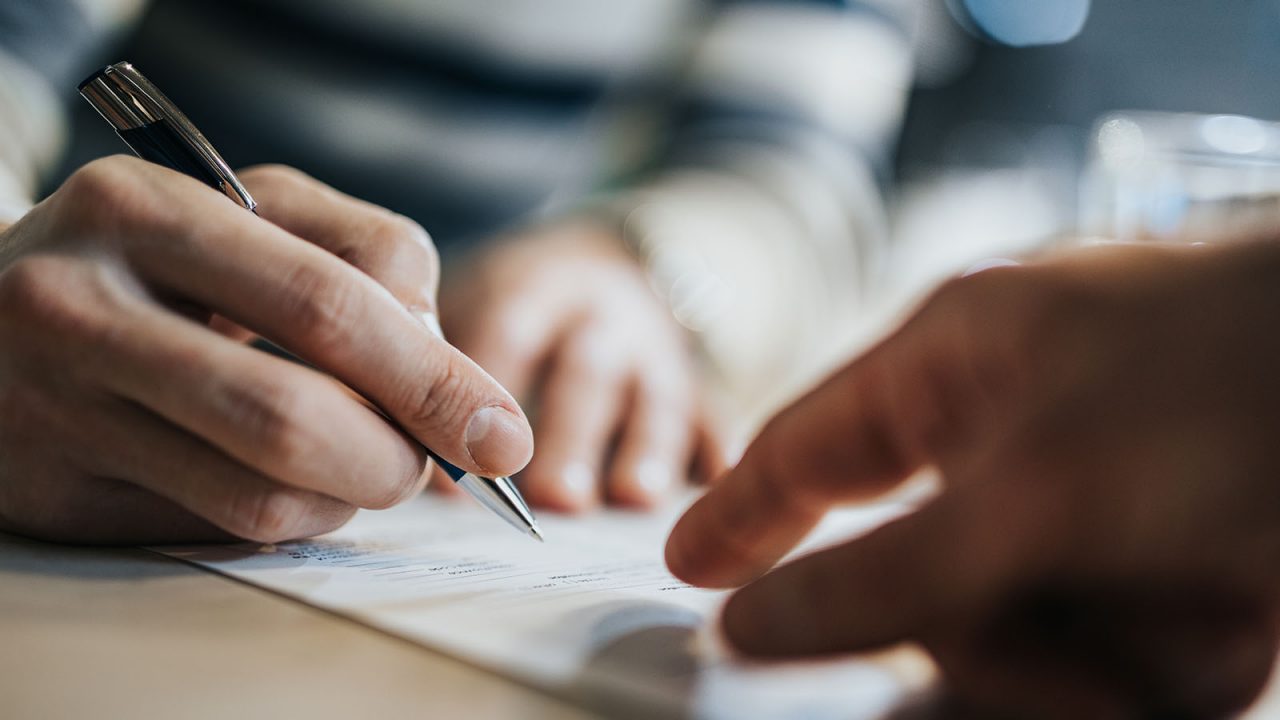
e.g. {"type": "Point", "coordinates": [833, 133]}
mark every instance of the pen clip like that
{"type": "Point", "coordinates": [127, 100]}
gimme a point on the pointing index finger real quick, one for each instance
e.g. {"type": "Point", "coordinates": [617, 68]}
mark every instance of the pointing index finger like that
{"type": "Point", "coordinates": [787, 479]}
{"type": "Point", "coordinates": [854, 437]}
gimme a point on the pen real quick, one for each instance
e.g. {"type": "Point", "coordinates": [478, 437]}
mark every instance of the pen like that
{"type": "Point", "coordinates": [157, 131]}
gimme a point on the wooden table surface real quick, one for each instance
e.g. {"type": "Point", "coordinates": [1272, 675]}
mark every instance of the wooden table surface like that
{"type": "Point", "coordinates": [124, 633]}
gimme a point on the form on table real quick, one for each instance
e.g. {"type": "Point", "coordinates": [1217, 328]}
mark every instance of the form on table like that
{"type": "Point", "coordinates": [592, 615]}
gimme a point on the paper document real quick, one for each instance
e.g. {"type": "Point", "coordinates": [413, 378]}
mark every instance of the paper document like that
{"type": "Point", "coordinates": [592, 614]}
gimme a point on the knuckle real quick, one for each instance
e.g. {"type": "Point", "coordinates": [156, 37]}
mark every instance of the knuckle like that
{"type": "Point", "coordinates": [270, 414]}
{"type": "Point", "coordinates": [100, 178]}
{"type": "Point", "coordinates": [120, 201]}
{"type": "Point", "coordinates": [45, 293]}
{"type": "Point", "coordinates": [324, 304]}
{"type": "Point", "coordinates": [401, 244]}
{"type": "Point", "coordinates": [396, 230]}
{"type": "Point", "coordinates": [100, 190]}
{"type": "Point", "coordinates": [439, 403]}
{"type": "Point", "coordinates": [279, 184]}
{"type": "Point", "coordinates": [275, 175]}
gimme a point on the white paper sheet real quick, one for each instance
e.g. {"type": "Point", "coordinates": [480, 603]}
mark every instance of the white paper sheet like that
{"type": "Point", "coordinates": [592, 615]}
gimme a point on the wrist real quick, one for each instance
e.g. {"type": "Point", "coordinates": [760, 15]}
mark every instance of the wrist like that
{"type": "Point", "coordinates": [663, 242]}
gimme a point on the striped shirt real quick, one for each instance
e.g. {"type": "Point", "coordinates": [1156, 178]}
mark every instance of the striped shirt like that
{"type": "Point", "coordinates": [742, 139]}
{"type": "Point", "coordinates": [745, 135]}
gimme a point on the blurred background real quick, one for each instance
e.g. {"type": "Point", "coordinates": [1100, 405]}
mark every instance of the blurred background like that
{"type": "Point", "coordinates": [792, 173]}
{"type": "Point", "coordinates": [1129, 120]}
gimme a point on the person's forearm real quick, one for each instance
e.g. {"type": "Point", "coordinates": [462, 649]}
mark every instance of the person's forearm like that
{"type": "Point", "coordinates": [767, 284]}
{"type": "Point", "coordinates": [760, 220]}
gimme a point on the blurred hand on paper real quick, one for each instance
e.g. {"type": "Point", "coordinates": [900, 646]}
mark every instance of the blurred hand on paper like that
{"type": "Point", "coordinates": [1106, 540]}
{"type": "Point", "coordinates": [130, 408]}
{"type": "Point", "coordinates": [564, 318]}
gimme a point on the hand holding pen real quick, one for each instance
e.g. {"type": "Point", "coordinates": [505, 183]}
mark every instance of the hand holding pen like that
{"type": "Point", "coordinates": [157, 429]}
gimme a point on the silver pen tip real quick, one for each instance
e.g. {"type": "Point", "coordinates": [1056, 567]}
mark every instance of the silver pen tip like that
{"type": "Point", "coordinates": [500, 496]}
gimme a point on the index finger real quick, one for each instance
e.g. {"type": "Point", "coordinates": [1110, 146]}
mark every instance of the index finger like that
{"type": "Point", "coordinates": [390, 248]}
{"type": "Point", "coordinates": [327, 313]}
{"type": "Point", "coordinates": [855, 436]}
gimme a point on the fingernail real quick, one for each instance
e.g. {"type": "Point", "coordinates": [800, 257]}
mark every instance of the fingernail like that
{"type": "Point", "coordinates": [431, 321]}
{"type": "Point", "coordinates": [654, 476]}
{"type": "Point", "coordinates": [578, 479]}
{"type": "Point", "coordinates": [498, 440]}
